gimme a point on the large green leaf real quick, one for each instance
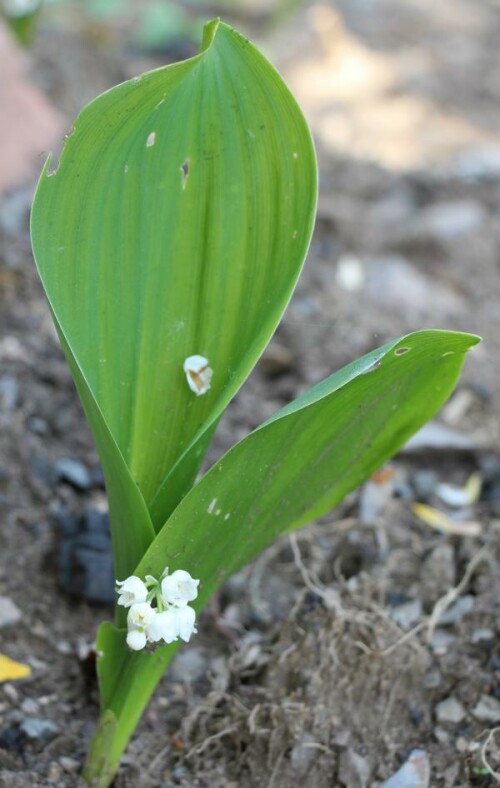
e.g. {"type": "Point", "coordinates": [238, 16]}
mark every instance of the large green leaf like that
{"type": "Point", "coordinates": [308, 456]}
{"type": "Point", "coordinates": [176, 224]}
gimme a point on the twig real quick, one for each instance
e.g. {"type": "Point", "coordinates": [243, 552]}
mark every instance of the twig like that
{"type": "Point", "coordinates": [486, 764]}
{"type": "Point", "coordinates": [453, 594]}
{"type": "Point", "coordinates": [199, 748]}
{"type": "Point", "coordinates": [329, 597]}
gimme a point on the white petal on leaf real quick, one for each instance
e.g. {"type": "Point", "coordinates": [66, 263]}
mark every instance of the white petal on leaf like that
{"type": "Point", "coordinates": [198, 374]}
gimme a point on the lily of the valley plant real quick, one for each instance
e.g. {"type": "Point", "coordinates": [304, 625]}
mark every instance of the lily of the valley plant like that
{"type": "Point", "coordinates": [169, 239]}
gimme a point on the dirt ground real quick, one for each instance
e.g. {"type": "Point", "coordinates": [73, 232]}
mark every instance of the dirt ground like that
{"type": "Point", "coordinates": [366, 641]}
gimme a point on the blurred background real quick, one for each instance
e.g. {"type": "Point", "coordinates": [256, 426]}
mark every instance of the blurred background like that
{"type": "Point", "coordinates": [403, 98]}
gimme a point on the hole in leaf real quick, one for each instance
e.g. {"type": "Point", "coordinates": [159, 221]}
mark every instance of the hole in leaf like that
{"type": "Point", "coordinates": [54, 158]}
{"type": "Point", "coordinates": [448, 353]}
{"type": "Point", "coordinates": [184, 172]}
{"type": "Point", "coordinates": [151, 139]}
{"type": "Point", "coordinates": [400, 351]}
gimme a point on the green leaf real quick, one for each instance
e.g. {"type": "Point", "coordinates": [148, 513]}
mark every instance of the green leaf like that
{"type": "Point", "coordinates": [100, 767]}
{"type": "Point", "coordinates": [131, 528]}
{"type": "Point", "coordinates": [127, 680]}
{"type": "Point", "coordinates": [176, 224]}
{"type": "Point", "coordinates": [308, 456]}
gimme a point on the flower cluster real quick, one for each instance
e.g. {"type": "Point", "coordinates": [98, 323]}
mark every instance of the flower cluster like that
{"type": "Point", "coordinates": [170, 619]}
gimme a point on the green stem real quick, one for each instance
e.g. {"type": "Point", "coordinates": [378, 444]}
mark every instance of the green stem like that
{"type": "Point", "coordinates": [127, 680]}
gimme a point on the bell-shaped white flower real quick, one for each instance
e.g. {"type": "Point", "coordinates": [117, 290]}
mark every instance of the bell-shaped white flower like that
{"type": "Point", "coordinates": [163, 627]}
{"type": "Point", "coordinates": [185, 625]}
{"type": "Point", "coordinates": [136, 639]}
{"type": "Point", "coordinates": [179, 588]}
{"type": "Point", "coordinates": [132, 590]}
{"type": "Point", "coordinates": [140, 616]}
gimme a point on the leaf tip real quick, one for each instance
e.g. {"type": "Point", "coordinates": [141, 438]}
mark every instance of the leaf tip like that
{"type": "Point", "coordinates": [209, 32]}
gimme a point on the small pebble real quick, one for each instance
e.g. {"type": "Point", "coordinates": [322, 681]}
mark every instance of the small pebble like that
{"type": "Point", "coordinates": [44, 471]}
{"type": "Point", "coordinates": [54, 772]}
{"type": "Point", "coordinates": [9, 612]}
{"type": "Point", "coordinates": [457, 610]}
{"type": "Point", "coordinates": [39, 730]}
{"type": "Point", "coordinates": [69, 764]}
{"type": "Point", "coordinates": [354, 770]}
{"type": "Point", "coordinates": [85, 558]}
{"type": "Point", "coordinates": [450, 710]}
{"type": "Point", "coordinates": [482, 636]}
{"type": "Point", "coordinates": [179, 773]}
{"type": "Point", "coordinates": [9, 393]}
{"type": "Point", "coordinates": [487, 709]}
{"type": "Point", "coordinates": [10, 739]}
{"type": "Point", "coordinates": [30, 706]}
{"type": "Point", "coordinates": [432, 679]}
{"type": "Point", "coordinates": [424, 483]}
{"type": "Point", "coordinates": [11, 692]}
{"type": "Point", "coordinates": [74, 472]}
{"type": "Point", "coordinates": [407, 614]}
{"type": "Point", "coordinates": [188, 666]}
{"type": "Point", "coordinates": [303, 756]}
{"type": "Point", "coordinates": [442, 736]}
{"type": "Point", "coordinates": [414, 773]}
{"type": "Point", "coordinates": [442, 641]}
{"type": "Point", "coordinates": [450, 221]}
{"type": "Point", "coordinates": [37, 426]}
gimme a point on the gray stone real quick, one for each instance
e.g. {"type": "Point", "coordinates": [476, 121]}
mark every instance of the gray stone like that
{"type": "Point", "coordinates": [457, 610]}
{"type": "Point", "coordinates": [9, 612]}
{"type": "Point", "coordinates": [74, 472]}
{"type": "Point", "coordinates": [482, 164]}
{"type": "Point", "coordinates": [188, 666]}
{"type": "Point", "coordinates": [424, 483]}
{"type": "Point", "coordinates": [483, 635]}
{"type": "Point", "coordinates": [395, 283]}
{"type": "Point", "coordinates": [487, 709]}
{"type": "Point", "coordinates": [303, 755]}
{"type": "Point", "coordinates": [414, 773]}
{"type": "Point", "coordinates": [69, 764]}
{"type": "Point", "coordinates": [39, 730]}
{"type": "Point", "coordinates": [442, 438]}
{"type": "Point", "coordinates": [30, 706]}
{"type": "Point", "coordinates": [441, 641]}
{"type": "Point", "coordinates": [407, 614]}
{"type": "Point", "coordinates": [9, 393]}
{"type": "Point", "coordinates": [37, 425]}
{"type": "Point", "coordinates": [448, 221]}
{"type": "Point", "coordinates": [450, 710]}
{"type": "Point", "coordinates": [354, 770]}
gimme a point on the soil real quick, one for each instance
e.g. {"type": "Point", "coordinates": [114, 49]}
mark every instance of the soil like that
{"type": "Point", "coordinates": [325, 662]}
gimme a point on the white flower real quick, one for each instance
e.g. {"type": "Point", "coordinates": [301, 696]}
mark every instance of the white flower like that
{"type": "Point", "coordinates": [179, 588]}
{"type": "Point", "coordinates": [177, 622]}
{"type": "Point", "coordinates": [132, 590]}
{"type": "Point", "coordinates": [140, 616]}
{"type": "Point", "coordinates": [149, 621]}
{"type": "Point", "coordinates": [136, 639]}
{"type": "Point", "coordinates": [185, 622]}
{"type": "Point", "coordinates": [163, 627]}
{"type": "Point", "coordinates": [198, 374]}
